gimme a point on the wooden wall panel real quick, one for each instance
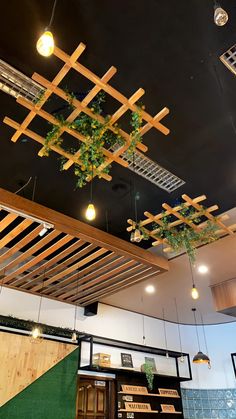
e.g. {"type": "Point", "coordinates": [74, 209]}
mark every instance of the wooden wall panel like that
{"type": "Point", "coordinates": [224, 297]}
{"type": "Point", "coordinates": [23, 361]}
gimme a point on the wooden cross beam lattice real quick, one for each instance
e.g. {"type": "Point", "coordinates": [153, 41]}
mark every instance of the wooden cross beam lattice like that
{"type": "Point", "coordinates": [100, 84]}
{"type": "Point", "coordinates": [178, 219]}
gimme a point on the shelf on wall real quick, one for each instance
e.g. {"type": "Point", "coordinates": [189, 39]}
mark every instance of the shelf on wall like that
{"type": "Point", "coordinates": [138, 411]}
{"type": "Point", "coordinates": [149, 394]}
{"type": "Point", "coordinates": [134, 372]}
{"type": "Point", "coordinates": [172, 413]}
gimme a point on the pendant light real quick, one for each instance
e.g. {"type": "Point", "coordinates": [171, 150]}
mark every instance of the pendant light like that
{"type": "Point", "coordinates": [180, 340]}
{"type": "Point", "coordinates": [45, 44]}
{"type": "Point", "coordinates": [164, 326]}
{"type": "Point", "coordinates": [194, 290]}
{"type": "Point", "coordinates": [136, 235]}
{"type": "Point", "coordinates": [37, 333]}
{"type": "Point", "coordinates": [200, 357]}
{"type": "Point", "coordinates": [90, 213]}
{"type": "Point", "coordinates": [220, 15]}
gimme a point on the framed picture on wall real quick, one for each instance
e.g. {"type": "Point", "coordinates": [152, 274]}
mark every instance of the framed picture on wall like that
{"type": "Point", "coordinates": [151, 361]}
{"type": "Point", "coordinates": [126, 360]}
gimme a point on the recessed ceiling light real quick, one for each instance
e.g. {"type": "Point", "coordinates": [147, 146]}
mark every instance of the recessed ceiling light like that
{"type": "Point", "coordinates": [150, 289]}
{"type": "Point", "coordinates": [202, 269]}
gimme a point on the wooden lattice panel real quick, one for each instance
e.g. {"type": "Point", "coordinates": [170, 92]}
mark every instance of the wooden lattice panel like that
{"type": "Point", "coordinates": [100, 84]}
{"type": "Point", "coordinates": [74, 262]}
{"type": "Point", "coordinates": [180, 219]}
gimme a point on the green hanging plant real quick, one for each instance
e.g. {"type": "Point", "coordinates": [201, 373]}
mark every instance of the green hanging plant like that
{"type": "Point", "coordinates": [148, 369]}
{"type": "Point", "coordinates": [186, 237]}
{"type": "Point", "coordinates": [98, 136]}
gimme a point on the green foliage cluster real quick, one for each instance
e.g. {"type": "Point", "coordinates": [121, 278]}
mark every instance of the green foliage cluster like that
{"type": "Point", "coordinates": [185, 237]}
{"type": "Point", "coordinates": [148, 369]}
{"type": "Point", "coordinates": [98, 135]}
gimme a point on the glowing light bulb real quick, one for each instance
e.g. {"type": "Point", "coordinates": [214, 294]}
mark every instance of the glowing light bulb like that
{"type": "Point", "coordinates": [194, 293]}
{"type": "Point", "coordinates": [90, 212]}
{"type": "Point", "coordinates": [220, 16]}
{"type": "Point", "coordinates": [132, 237]}
{"type": "Point", "coordinates": [74, 337]}
{"type": "Point", "coordinates": [137, 235]}
{"type": "Point", "coordinates": [45, 44]}
{"type": "Point", "coordinates": [36, 333]}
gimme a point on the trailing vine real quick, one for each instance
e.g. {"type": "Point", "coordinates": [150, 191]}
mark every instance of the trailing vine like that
{"type": "Point", "coordinates": [184, 237]}
{"type": "Point", "coordinates": [98, 136]}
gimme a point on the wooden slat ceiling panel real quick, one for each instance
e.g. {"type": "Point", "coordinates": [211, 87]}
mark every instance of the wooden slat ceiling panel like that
{"type": "Point", "coordinates": [72, 262]}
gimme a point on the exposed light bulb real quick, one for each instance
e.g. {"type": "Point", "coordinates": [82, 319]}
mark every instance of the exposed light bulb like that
{"type": "Point", "coordinates": [74, 337]}
{"type": "Point", "coordinates": [45, 44]}
{"type": "Point", "coordinates": [150, 289]}
{"type": "Point", "coordinates": [167, 355]}
{"type": "Point", "coordinates": [132, 237]}
{"type": "Point", "coordinates": [182, 358]}
{"type": "Point", "coordinates": [36, 333]}
{"type": "Point", "coordinates": [137, 235]}
{"type": "Point", "coordinates": [43, 231]}
{"type": "Point", "coordinates": [194, 293]}
{"type": "Point", "coordinates": [202, 269]}
{"type": "Point", "coordinates": [209, 365]}
{"type": "Point", "coordinates": [90, 212]}
{"type": "Point", "coordinates": [220, 16]}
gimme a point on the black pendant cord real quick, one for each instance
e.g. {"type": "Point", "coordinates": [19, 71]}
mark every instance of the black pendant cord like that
{"type": "Point", "coordinates": [134, 193]}
{"type": "Point", "coordinates": [107, 221]}
{"type": "Point", "coordinates": [204, 334]}
{"type": "Point", "coordinates": [76, 304]}
{"type": "Point", "coordinates": [164, 325]}
{"type": "Point", "coordinates": [24, 186]}
{"type": "Point", "coordinates": [34, 188]}
{"type": "Point", "coordinates": [194, 314]}
{"type": "Point", "coordinates": [177, 317]}
{"type": "Point", "coordinates": [143, 322]}
{"type": "Point", "coordinates": [41, 298]}
{"type": "Point", "coordinates": [191, 270]}
{"type": "Point", "coordinates": [52, 14]}
{"type": "Point", "coordinates": [91, 187]}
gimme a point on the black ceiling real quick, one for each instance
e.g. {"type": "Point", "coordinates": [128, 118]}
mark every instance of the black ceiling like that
{"type": "Point", "coordinates": [167, 47]}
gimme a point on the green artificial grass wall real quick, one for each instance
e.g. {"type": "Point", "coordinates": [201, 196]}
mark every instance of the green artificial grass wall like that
{"type": "Point", "coordinates": [52, 396]}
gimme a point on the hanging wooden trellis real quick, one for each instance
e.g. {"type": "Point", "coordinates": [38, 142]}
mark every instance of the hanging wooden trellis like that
{"type": "Point", "coordinates": [100, 84]}
{"type": "Point", "coordinates": [178, 219]}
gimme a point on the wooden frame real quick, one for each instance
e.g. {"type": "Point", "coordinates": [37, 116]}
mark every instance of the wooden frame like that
{"type": "Point", "coordinates": [222, 230]}
{"type": "Point", "coordinates": [126, 104]}
{"type": "Point", "coordinates": [74, 262]}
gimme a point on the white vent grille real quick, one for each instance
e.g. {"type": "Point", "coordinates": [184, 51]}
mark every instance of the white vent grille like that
{"type": "Point", "coordinates": [15, 83]}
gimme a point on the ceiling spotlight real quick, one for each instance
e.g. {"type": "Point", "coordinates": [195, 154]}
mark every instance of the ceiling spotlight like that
{"type": "Point", "coordinates": [202, 269]}
{"type": "Point", "coordinates": [45, 44]}
{"type": "Point", "coordinates": [90, 213]}
{"type": "Point", "coordinates": [220, 15]}
{"type": "Point", "coordinates": [194, 293]}
{"type": "Point", "coordinates": [150, 289]}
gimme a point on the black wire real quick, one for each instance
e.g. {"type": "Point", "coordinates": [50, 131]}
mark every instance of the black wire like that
{"type": "Point", "coordinates": [53, 13]}
{"type": "Point", "coordinates": [194, 314]}
{"type": "Point", "coordinates": [34, 187]}
{"type": "Point", "coordinates": [134, 193]}
{"type": "Point", "coordinates": [24, 186]}
{"type": "Point", "coordinates": [177, 316]}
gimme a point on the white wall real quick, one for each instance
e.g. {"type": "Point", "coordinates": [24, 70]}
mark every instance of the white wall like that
{"type": "Point", "coordinates": [127, 326]}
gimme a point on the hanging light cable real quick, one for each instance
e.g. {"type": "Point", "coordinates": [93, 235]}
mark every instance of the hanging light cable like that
{"type": "Point", "coordinates": [194, 290]}
{"type": "Point", "coordinates": [200, 357]}
{"type": "Point", "coordinates": [136, 235]}
{"type": "Point", "coordinates": [45, 44]}
{"type": "Point", "coordinates": [164, 325]}
{"type": "Point", "coordinates": [205, 341]}
{"type": "Point", "coordinates": [143, 322]}
{"type": "Point", "coordinates": [220, 15]}
{"type": "Point", "coordinates": [36, 333]}
{"type": "Point", "coordinates": [74, 334]}
{"type": "Point", "coordinates": [180, 340]}
{"type": "Point", "coordinates": [90, 211]}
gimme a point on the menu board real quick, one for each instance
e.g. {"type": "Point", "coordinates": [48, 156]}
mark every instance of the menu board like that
{"type": "Point", "coordinates": [134, 389]}
{"type": "Point", "coordinates": [168, 392]}
{"type": "Point", "coordinates": [126, 360]}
